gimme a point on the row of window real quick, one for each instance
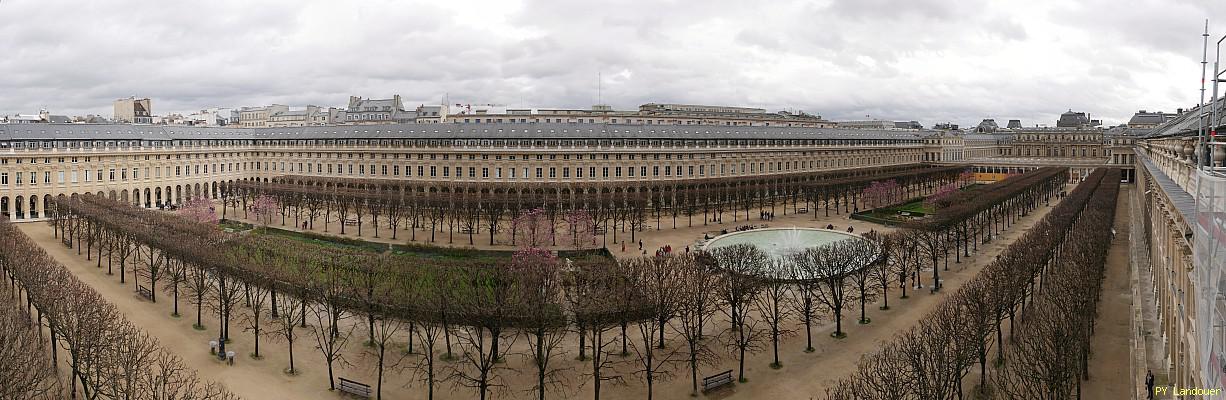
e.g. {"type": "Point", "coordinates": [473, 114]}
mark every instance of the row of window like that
{"type": "Point", "coordinates": [689, 143]}
{"type": "Point", "coordinates": [88, 175]}
{"type": "Point", "coordinates": [643, 171]}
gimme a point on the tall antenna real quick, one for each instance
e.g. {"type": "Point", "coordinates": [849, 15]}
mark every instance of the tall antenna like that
{"type": "Point", "coordinates": [1200, 108]}
{"type": "Point", "coordinates": [599, 95]}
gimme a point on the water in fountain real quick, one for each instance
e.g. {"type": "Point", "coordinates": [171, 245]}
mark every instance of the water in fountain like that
{"type": "Point", "coordinates": [789, 242]}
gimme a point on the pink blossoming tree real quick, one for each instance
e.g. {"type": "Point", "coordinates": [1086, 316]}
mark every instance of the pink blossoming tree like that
{"type": "Point", "coordinates": [532, 226]}
{"type": "Point", "coordinates": [264, 206]}
{"type": "Point", "coordinates": [200, 210]}
{"type": "Point", "coordinates": [582, 229]}
{"type": "Point", "coordinates": [878, 193]}
{"type": "Point", "coordinates": [940, 199]}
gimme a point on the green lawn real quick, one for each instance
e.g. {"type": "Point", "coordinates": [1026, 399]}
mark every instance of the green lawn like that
{"type": "Point", "coordinates": [229, 225]}
{"type": "Point", "coordinates": [325, 240]}
{"type": "Point", "coordinates": [414, 250]}
{"type": "Point", "coordinates": [912, 207]}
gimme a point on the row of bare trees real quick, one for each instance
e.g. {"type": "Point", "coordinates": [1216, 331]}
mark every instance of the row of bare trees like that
{"type": "Point", "coordinates": [457, 323]}
{"type": "Point", "coordinates": [470, 209]}
{"type": "Point", "coordinates": [1044, 286]}
{"type": "Point", "coordinates": [107, 356]}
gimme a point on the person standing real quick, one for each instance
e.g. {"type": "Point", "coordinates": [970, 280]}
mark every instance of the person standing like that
{"type": "Point", "coordinates": [1149, 384]}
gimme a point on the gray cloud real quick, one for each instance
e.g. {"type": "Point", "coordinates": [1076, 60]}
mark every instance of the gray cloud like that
{"type": "Point", "coordinates": [929, 60]}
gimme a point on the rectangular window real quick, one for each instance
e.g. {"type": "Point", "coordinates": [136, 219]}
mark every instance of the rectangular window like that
{"type": "Point", "coordinates": [4, 178]}
{"type": "Point", "coordinates": [112, 175]}
{"type": "Point", "coordinates": [539, 173]}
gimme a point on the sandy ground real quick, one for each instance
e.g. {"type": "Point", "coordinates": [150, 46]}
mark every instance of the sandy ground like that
{"type": "Point", "coordinates": [1109, 377]}
{"type": "Point", "coordinates": [804, 375]}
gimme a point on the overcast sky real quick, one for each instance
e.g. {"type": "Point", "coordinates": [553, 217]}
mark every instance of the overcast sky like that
{"type": "Point", "coordinates": [928, 60]}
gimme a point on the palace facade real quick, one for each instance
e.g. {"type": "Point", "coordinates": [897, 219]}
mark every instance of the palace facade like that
{"type": "Point", "coordinates": [152, 166]}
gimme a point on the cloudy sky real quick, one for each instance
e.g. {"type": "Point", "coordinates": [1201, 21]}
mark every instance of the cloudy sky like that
{"type": "Point", "coordinates": [927, 60]}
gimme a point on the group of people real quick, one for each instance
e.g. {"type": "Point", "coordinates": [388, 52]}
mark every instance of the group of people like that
{"type": "Point", "coordinates": [668, 249]}
{"type": "Point", "coordinates": [850, 229]}
{"type": "Point", "coordinates": [766, 215]}
{"type": "Point", "coordinates": [662, 251]}
{"type": "Point", "coordinates": [737, 229]}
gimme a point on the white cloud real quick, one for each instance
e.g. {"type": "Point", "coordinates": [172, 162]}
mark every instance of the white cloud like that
{"type": "Point", "coordinates": [930, 60]}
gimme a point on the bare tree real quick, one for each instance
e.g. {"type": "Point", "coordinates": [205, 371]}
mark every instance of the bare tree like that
{"type": "Point", "coordinates": [772, 304]}
{"type": "Point", "coordinates": [199, 285]}
{"type": "Point", "coordinates": [325, 297]}
{"type": "Point", "coordinates": [545, 325]}
{"type": "Point", "coordinates": [257, 295]}
{"type": "Point", "coordinates": [24, 363]}
{"type": "Point", "coordinates": [696, 284]}
{"type": "Point", "coordinates": [485, 304]}
{"type": "Point", "coordinates": [284, 324]}
{"type": "Point", "coordinates": [830, 264]}
{"type": "Point", "coordinates": [742, 266]}
{"type": "Point", "coordinates": [657, 283]}
{"type": "Point", "coordinates": [804, 299]}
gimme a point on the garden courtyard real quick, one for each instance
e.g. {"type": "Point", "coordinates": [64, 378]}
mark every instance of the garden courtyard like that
{"type": "Point", "coordinates": [803, 374]}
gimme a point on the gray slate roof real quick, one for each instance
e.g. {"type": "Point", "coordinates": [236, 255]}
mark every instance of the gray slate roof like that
{"type": "Point", "coordinates": [1186, 123]}
{"type": "Point", "coordinates": [440, 131]}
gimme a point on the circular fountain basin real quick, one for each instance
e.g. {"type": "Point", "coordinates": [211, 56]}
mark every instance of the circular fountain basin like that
{"type": "Point", "coordinates": [779, 243]}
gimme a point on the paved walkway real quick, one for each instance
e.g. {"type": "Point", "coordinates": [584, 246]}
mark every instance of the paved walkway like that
{"type": "Point", "coordinates": [1108, 380]}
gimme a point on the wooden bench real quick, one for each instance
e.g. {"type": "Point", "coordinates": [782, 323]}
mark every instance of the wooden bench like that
{"type": "Point", "coordinates": [355, 388]}
{"type": "Point", "coordinates": [349, 222]}
{"type": "Point", "coordinates": [715, 381]}
{"type": "Point", "coordinates": [466, 230]}
{"type": "Point", "coordinates": [802, 211]}
{"type": "Point", "coordinates": [144, 292]}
